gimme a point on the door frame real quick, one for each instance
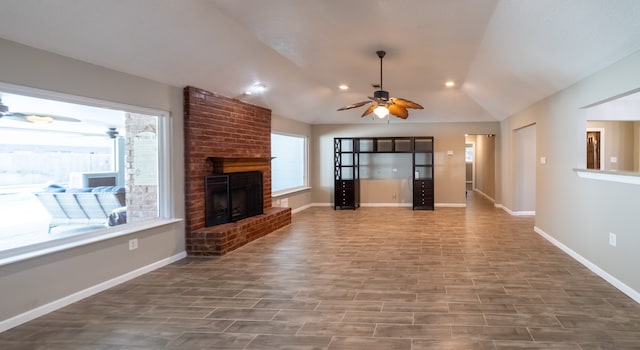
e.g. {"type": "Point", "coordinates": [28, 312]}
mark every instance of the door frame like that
{"type": "Point", "coordinates": [601, 131]}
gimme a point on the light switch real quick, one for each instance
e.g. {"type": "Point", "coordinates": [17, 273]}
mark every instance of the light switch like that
{"type": "Point", "coordinates": [543, 160]}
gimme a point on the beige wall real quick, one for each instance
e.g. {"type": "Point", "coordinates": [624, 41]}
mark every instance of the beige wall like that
{"type": "Point", "coordinates": [449, 171]}
{"type": "Point", "coordinates": [35, 282]}
{"type": "Point", "coordinates": [577, 212]}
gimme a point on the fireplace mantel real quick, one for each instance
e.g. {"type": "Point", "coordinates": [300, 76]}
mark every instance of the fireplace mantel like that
{"type": "Point", "coordinates": [221, 165]}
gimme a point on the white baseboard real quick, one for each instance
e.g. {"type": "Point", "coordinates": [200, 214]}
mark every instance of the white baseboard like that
{"type": "Point", "coordinates": [633, 294]}
{"type": "Point", "coordinates": [515, 213]}
{"type": "Point", "coordinates": [525, 213]}
{"type": "Point", "coordinates": [450, 205]}
{"type": "Point", "coordinates": [500, 206]}
{"type": "Point", "coordinates": [386, 205]}
{"type": "Point", "coordinates": [304, 207]}
{"type": "Point", "coordinates": [484, 195]}
{"type": "Point", "coordinates": [70, 299]}
{"type": "Point", "coordinates": [321, 205]}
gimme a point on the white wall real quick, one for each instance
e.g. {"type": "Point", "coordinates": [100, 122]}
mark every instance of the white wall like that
{"type": "Point", "coordinates": [36, 283]}
{"type": "Point", "coordinates": [579, 213]}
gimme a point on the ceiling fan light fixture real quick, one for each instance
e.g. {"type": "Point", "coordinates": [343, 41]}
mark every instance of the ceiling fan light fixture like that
{"type": "Point", "coordinates": [39, 119]}
{"type": "Point", "coordinates": [381, 105]}
{"type": "Point", "coordinates": [381, 111]}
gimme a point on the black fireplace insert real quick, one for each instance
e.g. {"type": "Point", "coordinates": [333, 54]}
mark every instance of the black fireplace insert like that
{"type": "Point", "coordinates": [231, 197]}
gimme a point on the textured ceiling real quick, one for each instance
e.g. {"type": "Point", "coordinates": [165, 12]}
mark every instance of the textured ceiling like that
{"type": "Point", "coordinates": [503, 54]}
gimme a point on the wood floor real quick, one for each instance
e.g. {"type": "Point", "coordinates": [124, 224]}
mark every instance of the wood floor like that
{"type": "Point", "coordinates": [374, 278]}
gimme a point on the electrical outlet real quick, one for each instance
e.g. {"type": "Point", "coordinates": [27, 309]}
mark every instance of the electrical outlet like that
{"type": "Point", "coordinates": [612, 239]}
{"type": "Point", "coordinates": [133, 244]}
{"type": "Point", "coordinates": [393, 196]}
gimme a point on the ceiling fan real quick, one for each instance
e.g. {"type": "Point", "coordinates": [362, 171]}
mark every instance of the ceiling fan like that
{"type": "Point", "coordinates": [381, 104]}
{"type": "Point", "coordinates": [38, 118]}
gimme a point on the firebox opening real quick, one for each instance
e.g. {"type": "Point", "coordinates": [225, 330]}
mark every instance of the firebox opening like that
{"type": "Point", "coordinates": [230, 197]}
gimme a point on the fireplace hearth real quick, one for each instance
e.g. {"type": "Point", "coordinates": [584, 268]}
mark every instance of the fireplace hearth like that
{"type": "Point", "coordinates": [231, 197]}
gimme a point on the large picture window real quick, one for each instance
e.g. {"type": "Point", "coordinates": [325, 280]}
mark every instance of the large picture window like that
{"type": "Point", "coordinates": [289, 165]}
{"type": "Point", "coordinates": [69, 169]}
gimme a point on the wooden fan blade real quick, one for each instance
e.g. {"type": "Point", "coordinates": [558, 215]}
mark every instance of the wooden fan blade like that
{"type": "Point", "coordinates": [355, 105]}
{"type": "Point", "coordinates": [398, 111]}
{"type": "Point", "coordinates": [369, 110]}
{"type": "Point", "coordinates": [23, 117]}
{"type": "Point", "coordinates": [405, 103]}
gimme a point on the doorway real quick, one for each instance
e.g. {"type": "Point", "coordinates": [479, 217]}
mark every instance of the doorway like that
{"type": "Point", "coordinates": [469, 153]}
{"type": "Point", "coordinates": [480, 166]}
{"type": "Point", "coordinates": [594, 143]}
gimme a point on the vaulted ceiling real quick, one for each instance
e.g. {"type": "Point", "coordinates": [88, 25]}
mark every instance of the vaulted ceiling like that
{"type": "Point", "coordinates": [503, 55]}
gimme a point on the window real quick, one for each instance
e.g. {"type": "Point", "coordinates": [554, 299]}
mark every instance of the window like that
{"type": "Point", "coordinates": [289, 165]}
{"type": "Point", "coordinates": [75, 168]}
{"type": "Point", "coordinates": [468, 153]}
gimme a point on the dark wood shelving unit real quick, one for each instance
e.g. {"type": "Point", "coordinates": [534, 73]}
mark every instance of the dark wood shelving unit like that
{"type": "Point", "coordinates": [347, 152]}
{"type": "Point", "coordinates": [423, 197]}
{"type": "Point", "coordinates": [347, 174]}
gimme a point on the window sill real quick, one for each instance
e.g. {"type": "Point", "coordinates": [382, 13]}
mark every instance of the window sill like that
{"type": "Point", "coordinates": [56, 245]}
{"type": "Point", "coordinates": [290, 191]}
{"type": "Point", "coordinates": [626, 177]}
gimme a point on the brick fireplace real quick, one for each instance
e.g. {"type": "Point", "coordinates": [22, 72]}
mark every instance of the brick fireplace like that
{"type": "Point", "coordinates": [224, 135]}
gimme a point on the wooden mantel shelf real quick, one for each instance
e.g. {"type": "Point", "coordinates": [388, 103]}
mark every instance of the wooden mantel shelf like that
{"type": "Point", "coordinates": [237, 164]}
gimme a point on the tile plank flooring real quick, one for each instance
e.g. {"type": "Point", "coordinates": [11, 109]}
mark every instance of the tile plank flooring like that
{"type": "Point", "coordinates": [374, 278]}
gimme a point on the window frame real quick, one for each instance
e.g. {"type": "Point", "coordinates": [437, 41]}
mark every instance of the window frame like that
{"type": "Point", "coordinates": [165, 208]}
{"type": "Point", "coordinates": [305, 167]}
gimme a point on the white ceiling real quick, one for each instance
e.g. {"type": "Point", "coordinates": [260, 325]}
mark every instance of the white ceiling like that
{"type": "Point", "coordinates": [503, 54]}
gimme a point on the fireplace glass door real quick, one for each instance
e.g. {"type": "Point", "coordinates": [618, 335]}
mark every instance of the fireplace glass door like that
{"type": "Point", "coordinates": [232, 196]}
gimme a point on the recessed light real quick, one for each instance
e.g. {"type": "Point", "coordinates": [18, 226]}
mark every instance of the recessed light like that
{"type": "Point", "coordinates": [256, 88]}
{"type": "Point", "coordinates": [259, 87]}
{"type": "Point", "coordinates": [450, 84]}
{"type": "Point", "coordinates": [344, 87]}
